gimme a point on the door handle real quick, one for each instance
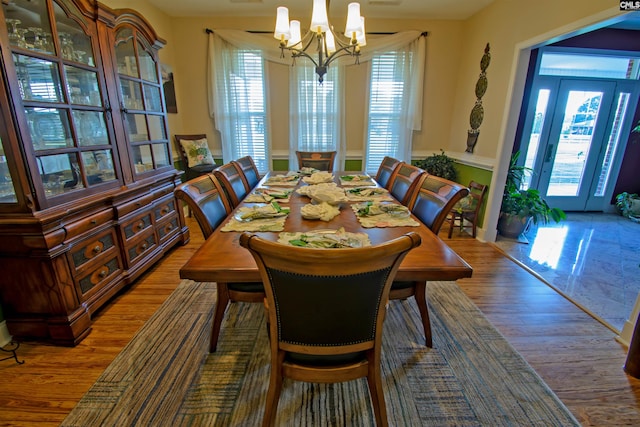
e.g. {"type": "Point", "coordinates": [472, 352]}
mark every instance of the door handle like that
{"type": "Point", "coordinates": [548, 154]}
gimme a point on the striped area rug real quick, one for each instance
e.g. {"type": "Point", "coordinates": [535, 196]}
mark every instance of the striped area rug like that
{"type": "Point", "coordinates": [472, 376]}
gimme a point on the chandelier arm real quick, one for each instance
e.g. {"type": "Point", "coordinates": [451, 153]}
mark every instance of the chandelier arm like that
{"type": "Point", "coordinates": [343, 51]}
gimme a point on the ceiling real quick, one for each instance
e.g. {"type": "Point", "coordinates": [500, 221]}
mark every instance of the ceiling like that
{"type": "Point", "coordinates": [301, 9]}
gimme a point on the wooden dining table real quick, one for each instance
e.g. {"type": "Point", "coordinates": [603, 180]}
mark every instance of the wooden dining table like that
{"type": "Point", "coordinates": [222, 259]}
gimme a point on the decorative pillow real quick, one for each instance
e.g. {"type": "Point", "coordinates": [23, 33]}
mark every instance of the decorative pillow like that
{"type": "Point", "coordinates": [466, 204]}
{"type": "Point", "coordinates": [197, 152]}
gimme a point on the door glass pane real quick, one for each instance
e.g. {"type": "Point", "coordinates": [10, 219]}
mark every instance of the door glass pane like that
{"type": "Point", "coordinates": [161, 154]}
{"type": "Point", "coordinates": [7, 192]}
{"type": "Point", "coordinates": [82, 86]}
{"type": "Point", "coordinates": [125, 54]}
{"type": "Point", "coordinates": [49, 128]}
{"type": "Point", "coordinates": [60, 173]}
{"type": "Point", "coordinates": [91, 128]}
{"type": "Point", "coordinates": [38, 79]}
{"type": "Point", "coordinates": [152, 98]}
{"type": "Point", "coordinates": [612, 144]}
{"type": "Point", "coordinates": [137, 127]}
{"type": "Point", "coordinates": [575, 140]}
{"type": "Point", "coordinates": [75, 45]}
{"type": "Point", "coordinates": [28, 24]}
{"type": "Point", "coordinates": [156, 128]}
{"type": "Point", "coordinates": [98, 166]}
{"type": "Point", "coordinates": [142, 158]}
{"type": "Point", "coordinates": [585, 65]}
{"type": "Point", "coordinates": [536, 129]}
{"type": "Point", "coordinates": [131, 94]}
{"type": "Point", "coordinates": [148, 70]}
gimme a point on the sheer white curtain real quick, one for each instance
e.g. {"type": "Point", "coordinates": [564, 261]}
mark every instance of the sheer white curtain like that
{"type": "Point", "coordinates": [395, 99]}
{"type": "Point", "coordinates": [316, 113]}
{"type": "Point", "coordinates": [225, 111]}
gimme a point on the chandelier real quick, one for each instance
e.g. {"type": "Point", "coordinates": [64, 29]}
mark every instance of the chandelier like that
{"type": "Point", "coordinates": [330, 45]}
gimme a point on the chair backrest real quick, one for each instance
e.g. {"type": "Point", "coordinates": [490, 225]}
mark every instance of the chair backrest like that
{"type": "Point", "coordinates": [250, 170]}
{"type": "Point", "coordinates": [206, 199]}
{"type": "Point", "coordinates": [321, 160]}
{"type": "Point", "coordinates": [477, 192]}
{"type": "Point", "coordinates": [434, 198]}
{"type": "Point", "coordinates": [327, 301]}
{"type": "Point", "coordinates": [387, 166]}
{"type": "Point", "coordinates": [404, 182]}
{"type": "Point", "coordinates": [233, 182]}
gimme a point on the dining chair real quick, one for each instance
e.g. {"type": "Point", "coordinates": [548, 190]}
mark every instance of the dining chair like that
{"type": "Point", "coordinates": [468, 209]}
{"type": "Point", "coordinates": [233, 182]}
{"type": "Point", "coordinates": [326, 309]}
{"type": "Point", "coordinates": [386, 169]}
{"type": "Point", "coordinates": [404, 181]}
{"type": "Point", "coordinates": [250, 171]}
{"type": "Point", "coordinates": [205, 197]}
{"type": "Point", "coordinates": [431, 204]}
{"type": "Point", "coordinates": [198, 165]}
{"type": "Point", "coordinates": [321, 160]}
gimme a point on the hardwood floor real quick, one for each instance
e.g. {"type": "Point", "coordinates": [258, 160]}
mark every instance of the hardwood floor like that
{"type": "Point", "coordinates": [577, 356]}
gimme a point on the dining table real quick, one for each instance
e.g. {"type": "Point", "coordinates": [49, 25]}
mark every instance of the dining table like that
{"type": "Point", "coordinates": [222, 259]}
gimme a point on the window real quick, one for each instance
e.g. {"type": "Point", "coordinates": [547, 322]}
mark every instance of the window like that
{"type": "Point", "coordinates": [315, 111]}
{"type": "Point", "coordinates": [241, 110]}
{"type": "Point", "coordinates": [388, 133]}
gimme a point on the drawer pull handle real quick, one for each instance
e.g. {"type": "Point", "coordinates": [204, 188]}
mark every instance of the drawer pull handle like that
{"type": "Point", "coordinates": [164, 211]}
{"type": "Point", "coordinates": [140, 225]}
{"type": "Point", "coordinates": [97, 249]}
{"type": "Point", "coordinates": [103, 273]}
{"type": "Point", "coordinates": [169, 227]}
{"type": "Point", "coordinates": [144, 246]}
{"type": "Point", "coordinates": [94, 222]}
{"type": "Point", "coordinates": [138, 204]}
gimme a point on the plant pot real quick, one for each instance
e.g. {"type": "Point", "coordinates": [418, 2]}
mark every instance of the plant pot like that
{"type": "Point", "coordinates": [512, 226]}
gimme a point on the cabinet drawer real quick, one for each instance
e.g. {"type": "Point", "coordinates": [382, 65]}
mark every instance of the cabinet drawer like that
{"type": "Point", "coordinates": [168, 227]}
{"type": "Point", "coordinates": [164, 207]}
{"type": "Point", "coordinates": [99, 275]}
{"type": "Point", "coordinates": [87, 224]}
{"type": "Point", "coordinates": [91, 248]}
{"type": "Point", "coordinates": [136, 251]}
{"type": "Point", "coordinates": [142, 201]}
{"type": "Point", "coordinates": [136, 226]}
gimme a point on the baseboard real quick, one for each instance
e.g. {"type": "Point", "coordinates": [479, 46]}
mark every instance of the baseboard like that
{"type": "Point", "coordinates": [5, 337]}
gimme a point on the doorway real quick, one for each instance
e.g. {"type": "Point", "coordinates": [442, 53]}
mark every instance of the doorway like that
{"type": "Point", "coordinates": [582, 105]}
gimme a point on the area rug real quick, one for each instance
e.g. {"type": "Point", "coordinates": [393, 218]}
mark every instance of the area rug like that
{"type": "Point", "coordinates": [472, 376]}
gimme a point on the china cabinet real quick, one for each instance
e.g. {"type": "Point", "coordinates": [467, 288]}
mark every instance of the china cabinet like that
{"type": "Point", "coordinates": [86, 173]}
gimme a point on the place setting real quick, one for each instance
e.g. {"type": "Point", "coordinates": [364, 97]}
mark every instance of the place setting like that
{"type": "Point", "coordinates": [258, 217]}
{"type": "Point", "coordinates": [325, 239]}
{"type": "Point", "coordinates": [358, 180]}
{"type": "Point", "coordinates": [364, 194]}
{"type": "Point", "coordinates": [380, 215]}
{"type": "Point", "coordinates": [318, 178]}
{"type": "Point", "coordinates": [267, 195]}
{"type": "Point", "coordinates": [290, 179]}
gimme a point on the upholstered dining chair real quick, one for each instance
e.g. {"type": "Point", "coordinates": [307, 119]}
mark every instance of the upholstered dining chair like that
{"type": "Point", "coordinates": [250, 170]}
{"type": "Point", "coordinates": [233, 182]}
{"type": "Point", "coordinates": [194, 164]}
{"type": "Point", "coordinates": [321, 160]}
{"type": "Point", "coordinates": [430, 203]}
{"type": "Point", "coordinates": [386, 169]}
{"type": "Point", "coordinates": [205, 197]}
{"type": "Point", "coordinates": [404, 181]}
{"type": "Point", "coordinates": [326, 309]}
{"type": "Point", "coordinates": [468, 209]}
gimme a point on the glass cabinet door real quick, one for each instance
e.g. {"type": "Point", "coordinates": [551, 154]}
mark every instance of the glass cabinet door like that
{"type": "Point", "coordinates": [67, 125]}
{"type": "Point", "coordinates": [7, 191]}
{"type": "Point", "coordinates": [142, 102]}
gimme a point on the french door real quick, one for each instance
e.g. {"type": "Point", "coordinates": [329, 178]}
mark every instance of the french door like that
{"type": "Point", "coordinates": [577, 129]}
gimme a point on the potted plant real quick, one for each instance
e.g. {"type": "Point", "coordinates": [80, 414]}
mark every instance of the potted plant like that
{"type": "Point", "coordinates": [628, 206]}
{"type": "Point", "coordinates": [519, 207]}
{"type": "Point", "coordinates": [439, 165]}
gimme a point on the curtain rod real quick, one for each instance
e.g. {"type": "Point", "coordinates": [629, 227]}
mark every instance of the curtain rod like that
{"type": "Point", "coordinates": [423, 34]}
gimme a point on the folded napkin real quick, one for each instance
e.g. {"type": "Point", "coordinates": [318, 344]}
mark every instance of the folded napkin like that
{"type": "Point", "coordinates": [322, 211]}
{"type": "Point", "coordinates": [371, 214]}
{"type": "Point", "coordinates": [356, 180]}
{"type": "Point", "coordinates": [318, 178]}
{"type": "Point", "coordinates": [325, 239]}
{"type": "Point", "coordinates": [307, 171]}
{"type": "Point", "coordinates": [363, 194]}
{"type": "Point", "coordinates": [305, 190]}
{"type": "Point", "coordinates": [333, 196]}
{"type": "Point", "coordinates": [290, 179]}
{"type": "Point", "coordinates": [266, 195]}
{"type": "Point", "coordinates": [258, 218]}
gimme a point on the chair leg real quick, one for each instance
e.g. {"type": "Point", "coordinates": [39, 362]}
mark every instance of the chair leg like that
{"type": "Point", "coordinates": [452, 223]}
{"type": "Point", "coordinates": [221, 307]}
{"type": "Point", "coordinates": [421, 300]}
{"type": "Point", "coordinates": [273, 394]}
{"type": "Point", "coordinates": [377, 395]}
